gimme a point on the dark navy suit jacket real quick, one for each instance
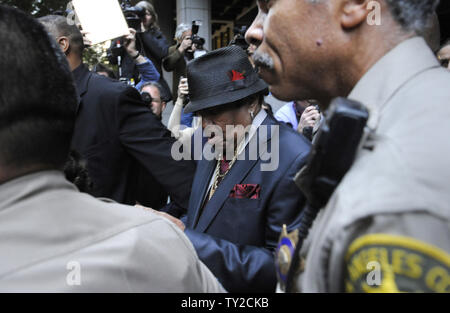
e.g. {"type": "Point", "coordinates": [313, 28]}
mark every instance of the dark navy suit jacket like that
{"type": "Point", "coordinates": [236, 237]}
{"type": "Point", "coordinates": [118, 136]}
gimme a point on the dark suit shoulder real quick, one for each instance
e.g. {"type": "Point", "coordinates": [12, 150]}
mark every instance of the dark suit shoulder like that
{"type": "Point", "coordinates": [106, 84]}
{"type": "Point", "coordinates": [111, 88]}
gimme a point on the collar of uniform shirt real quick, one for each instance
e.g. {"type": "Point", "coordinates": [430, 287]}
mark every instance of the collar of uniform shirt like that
{"type": "Point", "coordinates": [23, 187]}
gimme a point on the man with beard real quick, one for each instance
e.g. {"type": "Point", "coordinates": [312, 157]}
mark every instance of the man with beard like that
{"type": "Point", "coordinates": [391, 212]}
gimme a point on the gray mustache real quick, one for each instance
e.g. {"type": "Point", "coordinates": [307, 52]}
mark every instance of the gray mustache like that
{"type": "Point", "coordinates": [263, 60]}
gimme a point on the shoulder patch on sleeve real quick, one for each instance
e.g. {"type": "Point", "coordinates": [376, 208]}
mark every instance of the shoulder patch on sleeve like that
{"type": "Point", "coordinates": [388, 263]}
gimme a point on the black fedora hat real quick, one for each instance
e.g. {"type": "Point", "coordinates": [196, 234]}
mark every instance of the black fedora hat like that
{"type": "Point", "coordinates": [220, 77]}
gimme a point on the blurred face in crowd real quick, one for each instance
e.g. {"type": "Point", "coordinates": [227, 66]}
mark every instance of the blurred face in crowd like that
{"type": "Point", "coordinates": [103, 74]}
{"type": "Point", "coordinates": [186, 35]}
{"type": "Point", "coordinates": [158, 105]}
{"type": "Point", "coordinates": [148, 19]}
{"type": "Point", "coordinates": [251, 49]}
{"type": "Point", "coordinates": [222, 116]}
{"type": "Point", "coordinates": [444, 56]}
{"type": "Point", "coordinates": [301, 105]}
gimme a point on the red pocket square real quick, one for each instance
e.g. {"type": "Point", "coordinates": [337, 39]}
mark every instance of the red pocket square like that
{"type": "Point", "coordinates": [245, 191]}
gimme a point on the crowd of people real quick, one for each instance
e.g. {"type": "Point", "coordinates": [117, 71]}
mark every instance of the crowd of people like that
{"type": "Point", "coordinates": [94, 196]}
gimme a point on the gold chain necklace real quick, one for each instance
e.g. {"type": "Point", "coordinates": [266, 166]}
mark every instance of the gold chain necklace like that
{"type": "Point", "coordinates": [217, 173]}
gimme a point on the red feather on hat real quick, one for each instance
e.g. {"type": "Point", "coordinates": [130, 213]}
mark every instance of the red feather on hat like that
{"type": "Point", "coordinates": [235, 75]}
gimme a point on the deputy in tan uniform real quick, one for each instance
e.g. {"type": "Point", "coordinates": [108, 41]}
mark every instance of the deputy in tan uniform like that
{"type": "Point", "coordinates": [387, 226]}
{"type": "Point", "coordinates": [52, 237]}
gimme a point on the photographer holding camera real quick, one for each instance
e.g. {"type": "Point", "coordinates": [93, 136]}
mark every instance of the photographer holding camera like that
{"type": "Point", "coordinates": [146, 68]}
{"type": "Point", "coordinates": [178, 57]}
{"type": "Point", "coordinates": [150, 42]}
{"type": "Point", "coordinates": [189, 46]}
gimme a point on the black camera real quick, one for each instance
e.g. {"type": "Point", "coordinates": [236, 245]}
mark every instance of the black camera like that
{"type": "Point", "coordinates": [196, 39]}
{"type": "Point", "coordinates": [239, 38]}
{"type": "Point", "coordinates": [133, 14]}
{"type": "Point", "coordinates": [147, 99]}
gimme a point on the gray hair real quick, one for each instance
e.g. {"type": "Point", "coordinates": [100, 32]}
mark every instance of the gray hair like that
{"type": "Point", "coordinates": [181, 29]}
{"type": "Point", "coordinates": [153, 84]}
{"type": "Point", "coordinates": [412, 15]}
{"type": "Point", "coordinates": [432, 33]}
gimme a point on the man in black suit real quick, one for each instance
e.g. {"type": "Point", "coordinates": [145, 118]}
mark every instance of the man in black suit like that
{"type": "Point", "coordinates": [116, 133]}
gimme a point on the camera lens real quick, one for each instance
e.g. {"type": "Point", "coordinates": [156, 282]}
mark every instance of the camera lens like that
{"type": "Point", "coordinates": [146, 98]}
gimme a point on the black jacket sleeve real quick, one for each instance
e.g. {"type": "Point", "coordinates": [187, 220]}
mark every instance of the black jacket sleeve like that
{"type": "Point", "coordinates": [155, 44]}
{"type": "Point", "coordinates": [150, 143]}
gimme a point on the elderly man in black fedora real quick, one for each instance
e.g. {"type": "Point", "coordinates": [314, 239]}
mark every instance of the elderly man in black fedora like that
{"type": "Point", "coordinates": [240, 199]}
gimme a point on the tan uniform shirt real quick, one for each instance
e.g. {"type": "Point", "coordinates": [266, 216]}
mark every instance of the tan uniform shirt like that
{"type": "Point", "coordinates": [387, 226]}
{"type": "Point", "coordinates": [56, 239]}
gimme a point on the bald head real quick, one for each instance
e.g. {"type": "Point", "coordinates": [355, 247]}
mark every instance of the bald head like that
{"type": "Point", "coordinates": [58, 27]}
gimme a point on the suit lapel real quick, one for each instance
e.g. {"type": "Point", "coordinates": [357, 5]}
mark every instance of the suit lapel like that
{"type": "Point", "coordinates": [235, 176]}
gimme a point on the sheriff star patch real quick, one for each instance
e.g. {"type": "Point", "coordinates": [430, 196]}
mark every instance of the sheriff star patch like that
{"type": "Point", "coordinates": [387, 263]}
